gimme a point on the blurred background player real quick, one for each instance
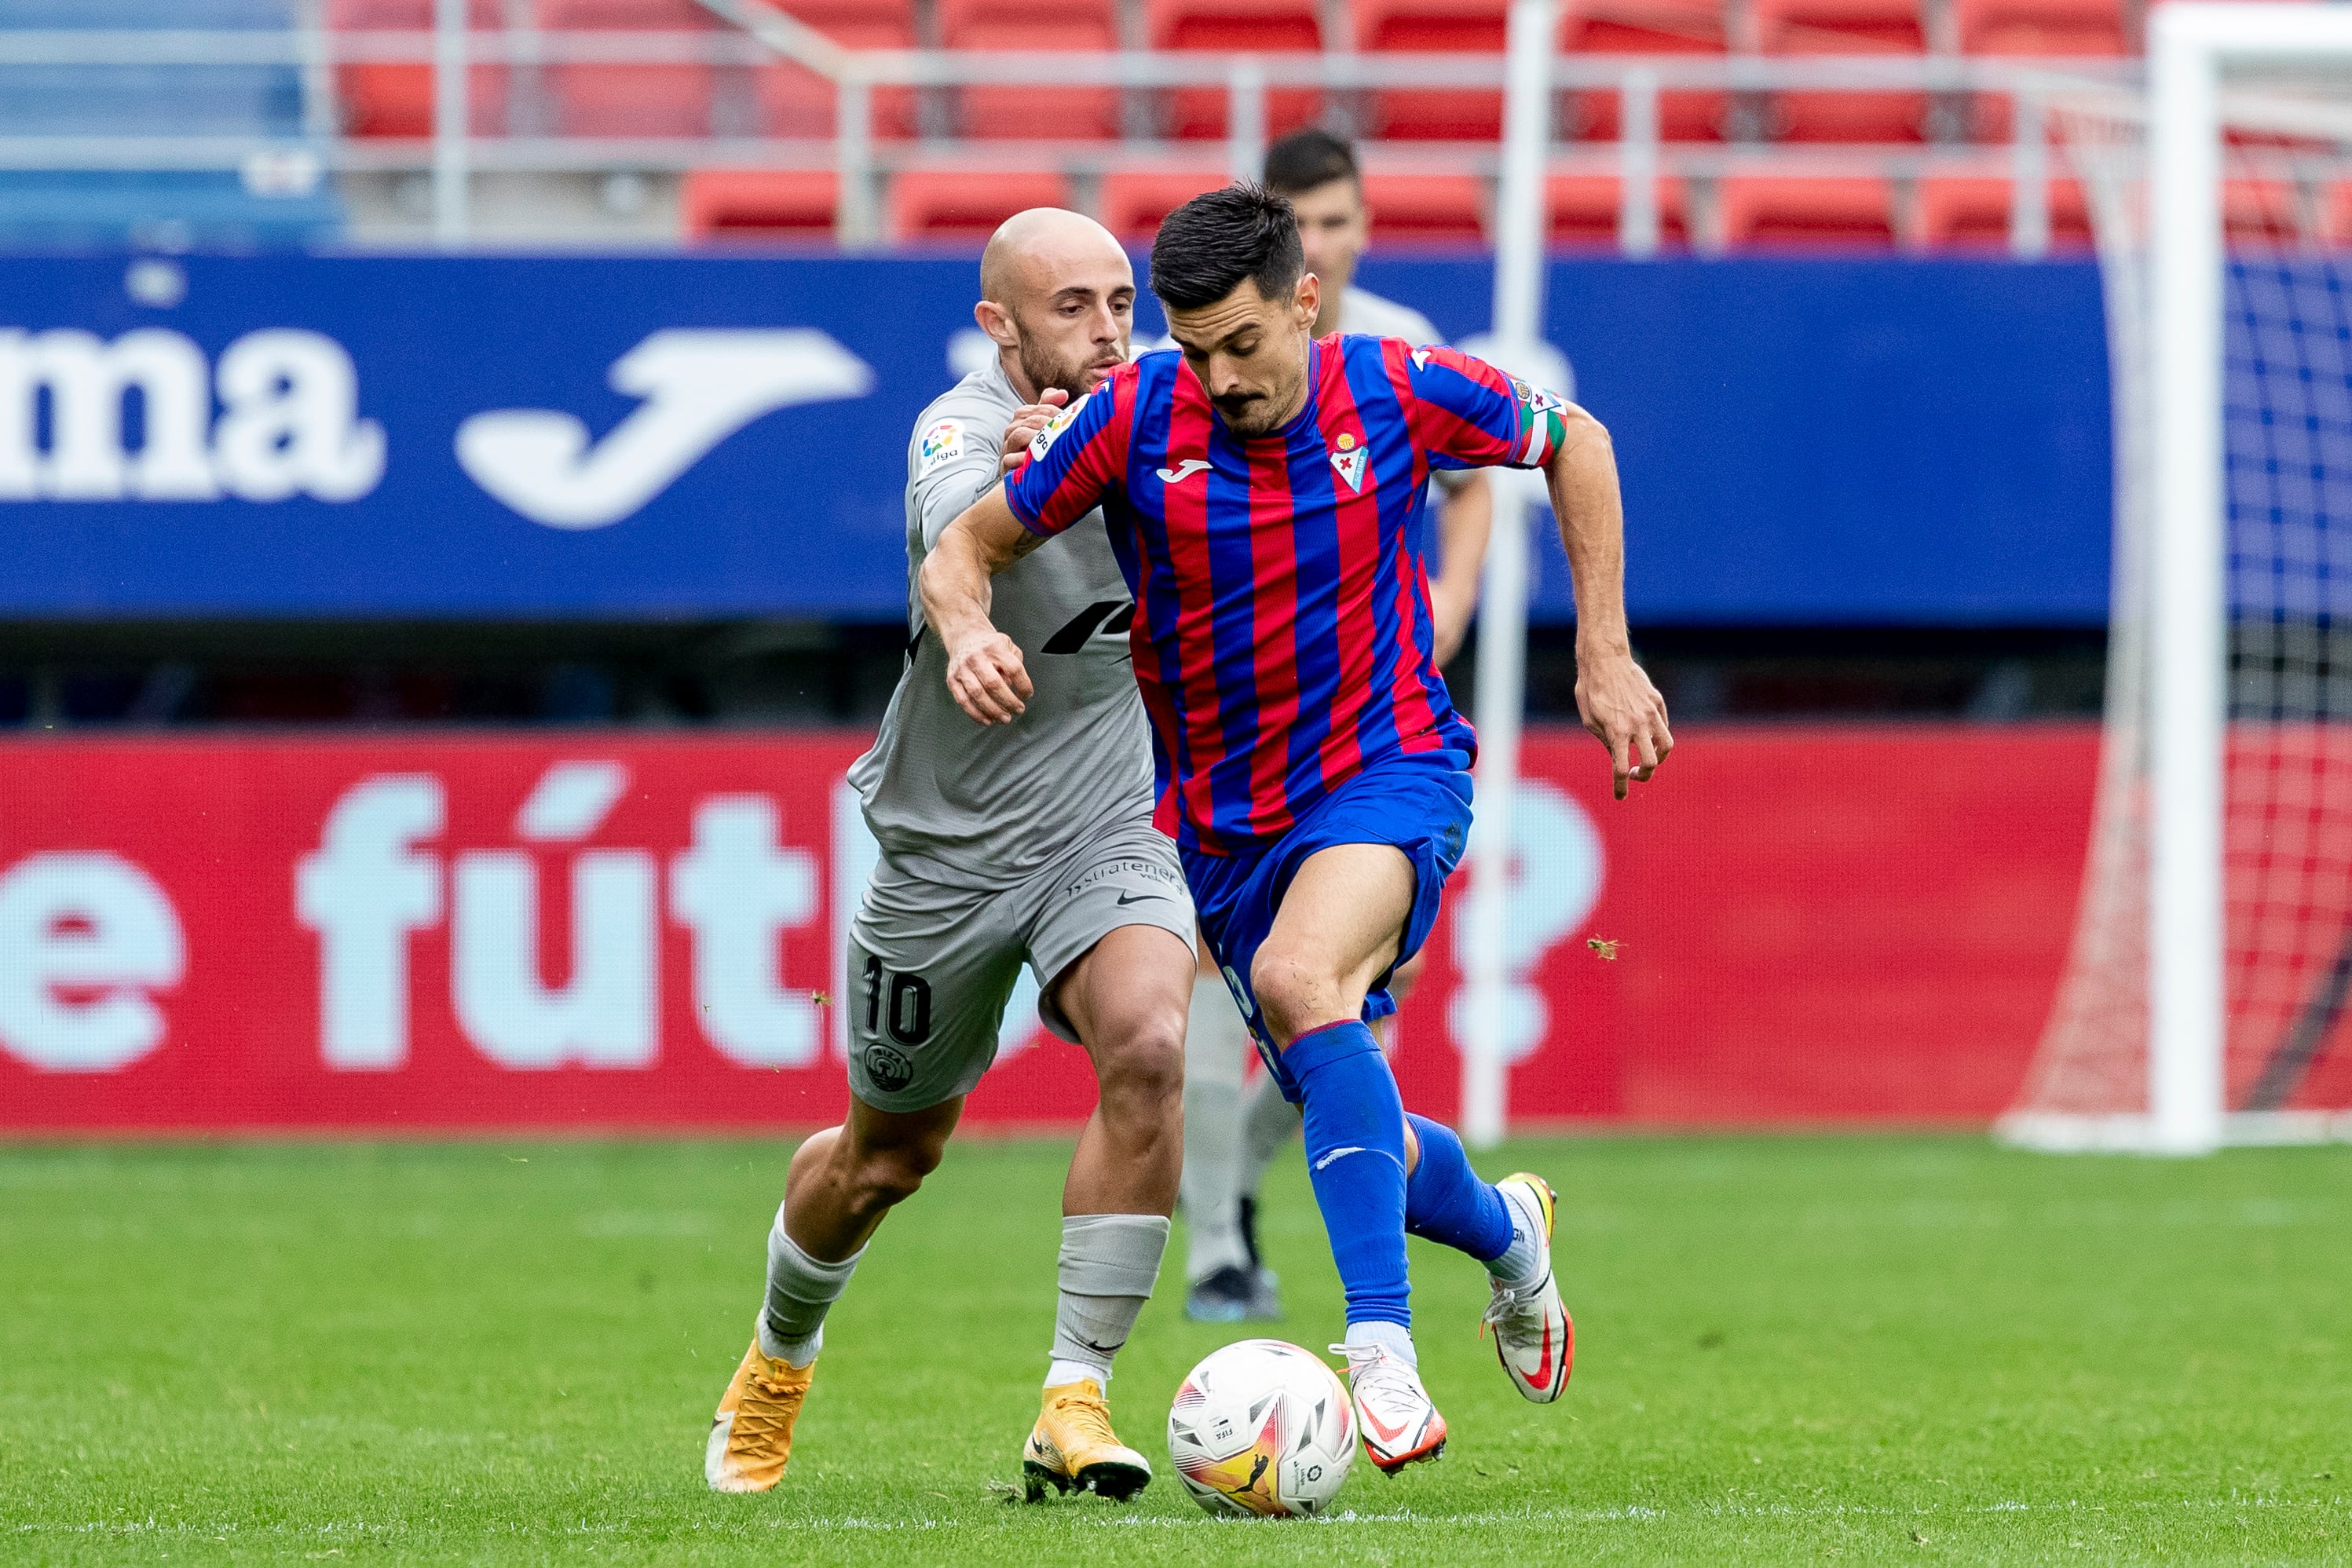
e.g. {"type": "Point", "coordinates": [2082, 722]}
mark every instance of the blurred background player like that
{"type": "Point", "coordinates": [1316, 770]}
{"type": "Point", "coordinates": [1236, 1125]}
{"type": "Point", "coordinates": [974, 878]}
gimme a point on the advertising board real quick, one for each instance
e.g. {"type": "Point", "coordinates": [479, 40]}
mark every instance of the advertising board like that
{"type": "Point", "coordinates": [606, 932]}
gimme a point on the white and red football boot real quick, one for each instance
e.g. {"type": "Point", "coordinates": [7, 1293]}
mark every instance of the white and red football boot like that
{"type": "Point", "coordinates": [1394, 1416]}
{"type": "Point", "coordinates": [1534, 1339]}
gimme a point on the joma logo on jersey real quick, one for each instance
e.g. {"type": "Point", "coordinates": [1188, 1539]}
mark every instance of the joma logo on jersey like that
{"type": "Point", "coordinates": [1182, 471]}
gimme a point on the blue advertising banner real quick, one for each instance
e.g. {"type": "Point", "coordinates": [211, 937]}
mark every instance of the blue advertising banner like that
{"type": "Point", "coordinates": [697, 437]}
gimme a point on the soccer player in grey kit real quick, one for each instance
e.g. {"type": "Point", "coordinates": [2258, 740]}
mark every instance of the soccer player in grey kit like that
{"type": "Point", "coordinates": [1029, 842]}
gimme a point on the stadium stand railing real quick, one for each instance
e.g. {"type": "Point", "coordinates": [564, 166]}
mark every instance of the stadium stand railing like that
{"type": "Point", "coordinates": [1706, 124]}
{"type": "Point", "coordinates": [161, 124]}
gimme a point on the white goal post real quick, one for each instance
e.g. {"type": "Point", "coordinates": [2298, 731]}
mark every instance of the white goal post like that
{"type": "Point", "coordinates": [2191, 653]}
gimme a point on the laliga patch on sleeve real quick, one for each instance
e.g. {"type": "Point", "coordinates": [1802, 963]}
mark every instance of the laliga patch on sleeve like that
{"type": "Point", "coordinates": [942, 444]}
{"type": "Point", "coordinates": [1043, 442]}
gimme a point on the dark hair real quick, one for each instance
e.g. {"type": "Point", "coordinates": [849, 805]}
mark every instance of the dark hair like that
{"type": "Point", "coordinates": [1306, 160]}
{"type": "Point", "coordinates": [1209, 245]}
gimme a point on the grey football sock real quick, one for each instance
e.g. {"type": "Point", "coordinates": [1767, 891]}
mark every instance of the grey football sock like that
{"type": "Point", "coordinates": [1214, 1045]}
{"type": "Point", "coordinates": [800, 1289]}
{"type": "Point", "coordinates": [1269, 1124]}
{"type": "Point", "coordinates": [1107, 1265]}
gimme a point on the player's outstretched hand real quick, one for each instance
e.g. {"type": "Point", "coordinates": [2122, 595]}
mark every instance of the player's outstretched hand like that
{"type": "Point", "coordinates": [987, 680]}
{"type": "Point", "coordinates": [1623, 710]}
{"type": "Point", "coordinates": [1027, 420]}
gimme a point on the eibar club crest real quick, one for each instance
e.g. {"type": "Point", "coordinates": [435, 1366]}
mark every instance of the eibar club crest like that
{"type": "Point", "coordinates": [1349, 460]}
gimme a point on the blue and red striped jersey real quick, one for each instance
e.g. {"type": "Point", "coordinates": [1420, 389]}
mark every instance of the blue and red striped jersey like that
{"type": "Point", "coordinates": [1282, 634]}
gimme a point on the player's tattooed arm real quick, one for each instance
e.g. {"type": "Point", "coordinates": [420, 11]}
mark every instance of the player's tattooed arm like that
{"type": "Point", "coordinates": [1613, 695]}
{"type": "Point", "coordinates": [985, 672]}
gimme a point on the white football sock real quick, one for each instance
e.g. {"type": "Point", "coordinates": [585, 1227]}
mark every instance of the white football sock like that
{"type": "Point", "coordinates": [1214, 1045]}
{"type": "Point", "coordinates": [1527, 1258]}
{"type": "Point", "coordinates": [1060, 1374]}
{"type": "Point", "coordinates": [1107, 1265]}
{"type": "Point", "coordinates": [801, 1290]}
{"type": "Point", "coordinates": [1395, 1338]}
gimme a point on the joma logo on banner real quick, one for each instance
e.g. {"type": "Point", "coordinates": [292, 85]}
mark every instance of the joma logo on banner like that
{"type": "Point", "coordinates": [288, 421]}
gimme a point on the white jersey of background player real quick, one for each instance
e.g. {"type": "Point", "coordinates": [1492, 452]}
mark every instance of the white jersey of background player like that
{"type": "Point", "coordinates": [1231, 1134]}
{"type": "Point", "coordinates": [1033, 842]}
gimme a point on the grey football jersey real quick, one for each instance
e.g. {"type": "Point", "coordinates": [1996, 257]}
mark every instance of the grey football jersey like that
{"type": "Point", "coordinates": [981, 804]}
{"type": "Point", "coordinates": [1362, 310]}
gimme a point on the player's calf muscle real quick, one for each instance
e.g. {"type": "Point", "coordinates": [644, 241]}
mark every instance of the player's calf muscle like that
{"type": "Point", "coordinates": [840, 1185]}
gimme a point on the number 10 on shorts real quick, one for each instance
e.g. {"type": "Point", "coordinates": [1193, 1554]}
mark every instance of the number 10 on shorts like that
{"type": "Point", "coordinates": [900, 1004]}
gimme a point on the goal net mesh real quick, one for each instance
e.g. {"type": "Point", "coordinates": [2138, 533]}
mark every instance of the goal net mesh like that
{"type": "Point", "coordinates": [2287, 438]}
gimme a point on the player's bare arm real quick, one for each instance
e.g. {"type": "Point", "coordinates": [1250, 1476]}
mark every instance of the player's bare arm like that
{"type": "Point", "coordinates": [1613, 695]}
{"type": "Point", "coordinates": [985, 672]}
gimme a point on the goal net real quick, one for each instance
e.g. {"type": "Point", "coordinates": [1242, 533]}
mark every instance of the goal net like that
{"type": "Point", "coordinates": [2205, 997]}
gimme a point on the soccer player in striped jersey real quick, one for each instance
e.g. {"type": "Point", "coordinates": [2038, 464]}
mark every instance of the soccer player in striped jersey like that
{"type": "Point", "coordinates": [1265, 495]}
{"type": "Point", "coordinates": [1233, 1132]}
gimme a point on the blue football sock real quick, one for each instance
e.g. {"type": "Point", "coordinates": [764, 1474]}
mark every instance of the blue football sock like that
{"type": "Point", "coordinates": [1446, 1201]}
{"type": "Point", "coordinates": [1355, 1158]}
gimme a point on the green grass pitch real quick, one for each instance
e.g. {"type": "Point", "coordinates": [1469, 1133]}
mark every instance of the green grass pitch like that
{"type": "Point", "coordinates": [1880, 1348]}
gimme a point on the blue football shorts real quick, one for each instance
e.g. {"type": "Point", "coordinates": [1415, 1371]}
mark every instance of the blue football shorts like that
{"type": "Point", "coordinates": [1419, 804]}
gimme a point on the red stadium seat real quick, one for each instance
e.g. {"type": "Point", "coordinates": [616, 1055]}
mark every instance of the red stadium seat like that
{"type": "Point", "coordinates": [963, 203]}
{"type": "Point", "coordinates": [1134, 201]}
{"type": "Point", "coordinates": [759, 203]}
{"type": "Point", "coordinates": [1972, 211]}
{"type": "Point", "coordinates": [2042, 29]}
{"type": "Point", "coordinates": [629, 99]}
{"type": "Point", "coordinates": [397, 100]}
{"type": "Point", "coordinates": [1645, 27]}
{"type": "Point", "coordinates": [1846, 27]}
{"type": "Point", "coordinates": [1791, 211]}
{"type": "Point", "coordinates": [1236, 26]}
{"type": "Point", "coordinates": [1426, 209]}
{"type": "Point", "coordinates": [1433, 26]}
{"type": "Point", "coordinates": [1584, 208]}
{"type": "Point", "coordinates": [2034, 29]}
{"type": "Point", "coordinates": [1033, 111]}
{"type": "Point", "coordinates": [796, 102]}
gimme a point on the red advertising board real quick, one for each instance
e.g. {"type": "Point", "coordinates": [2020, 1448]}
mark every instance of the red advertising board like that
{"type": "Point", "coordinates": [604, 931]}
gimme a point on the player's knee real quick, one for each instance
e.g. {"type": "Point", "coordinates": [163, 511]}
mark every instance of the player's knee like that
{"type": "Point", "coordinates": [1143, 1077]}
{"type": "Point", "coordinates": [1295, 993]}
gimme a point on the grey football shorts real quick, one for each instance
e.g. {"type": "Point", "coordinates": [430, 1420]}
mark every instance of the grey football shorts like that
{"type": "Point", "coordinates": [933, 964]}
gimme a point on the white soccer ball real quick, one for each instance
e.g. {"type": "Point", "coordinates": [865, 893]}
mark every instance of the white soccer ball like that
{"type": "Point", "coordinates": [1262, 1427]}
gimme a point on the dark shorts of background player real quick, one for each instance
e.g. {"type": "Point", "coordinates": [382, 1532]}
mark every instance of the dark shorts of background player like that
{"type": "Point", "coordinates": [1416, 804]}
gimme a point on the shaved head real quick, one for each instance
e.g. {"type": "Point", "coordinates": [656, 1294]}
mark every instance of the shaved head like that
{"type": "Point", "coordinates": [1030, 250]}
{"type": "Point", "coordinates": [1057, 298]}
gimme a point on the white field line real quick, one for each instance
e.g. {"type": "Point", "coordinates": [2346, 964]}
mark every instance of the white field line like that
{"type": "Point", "coordinates": [1347, 1517]}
